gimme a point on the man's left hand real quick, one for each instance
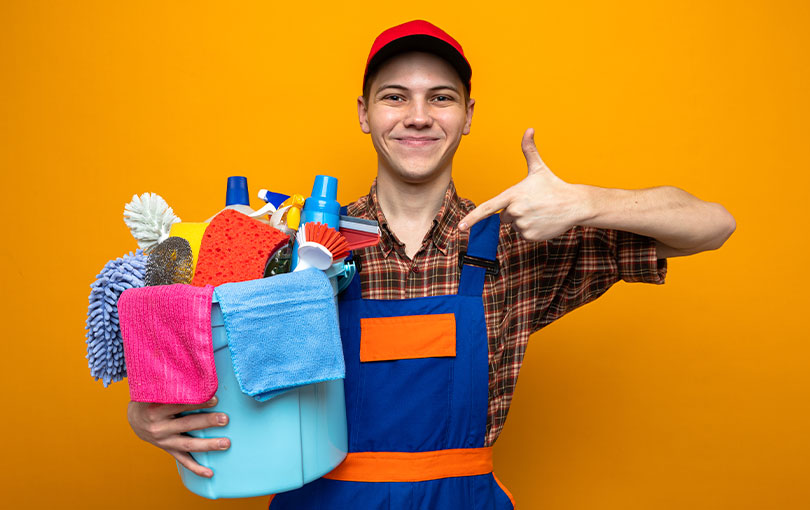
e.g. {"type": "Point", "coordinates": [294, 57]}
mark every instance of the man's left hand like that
{"type": "Point", "coordinates": [541, 206]}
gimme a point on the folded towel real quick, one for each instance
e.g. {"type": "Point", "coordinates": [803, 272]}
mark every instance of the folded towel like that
{"type": "Point", "coordinates": [168, 344]}
{"type": "Point", "coordinates": [282, 332]}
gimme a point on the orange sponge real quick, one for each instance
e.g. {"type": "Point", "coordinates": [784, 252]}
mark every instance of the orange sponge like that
{"type": "Point", "coordinates": [235, 248]}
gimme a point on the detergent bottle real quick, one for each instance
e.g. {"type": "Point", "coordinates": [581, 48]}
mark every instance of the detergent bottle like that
{"type": "Point", "coordinates": [322, 206]}
{"type": "Point", "coordinates": [237, 197]}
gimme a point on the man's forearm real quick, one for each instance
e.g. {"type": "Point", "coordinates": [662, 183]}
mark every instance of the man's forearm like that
{"type": "Point", "coordinates": [680, 222]}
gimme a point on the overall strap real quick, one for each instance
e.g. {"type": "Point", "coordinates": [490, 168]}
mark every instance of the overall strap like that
{"type": "Point", "coordinates": [351, 292]}
{"type": "Point", "coordinates": [481, 256]}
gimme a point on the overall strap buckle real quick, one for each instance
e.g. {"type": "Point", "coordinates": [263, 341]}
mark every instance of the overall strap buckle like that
{"type": "Point", "coordinates": [492, 267]}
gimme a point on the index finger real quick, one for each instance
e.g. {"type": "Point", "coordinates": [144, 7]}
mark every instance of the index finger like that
{"type": "Point", "coordinates": [485, 210]}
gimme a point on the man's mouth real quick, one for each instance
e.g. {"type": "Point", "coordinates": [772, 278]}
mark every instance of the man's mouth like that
{"type": "Point", "coordinates": [416, 141]}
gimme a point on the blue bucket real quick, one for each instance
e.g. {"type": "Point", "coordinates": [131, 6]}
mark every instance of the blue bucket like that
{"type": "Point", "coordinates": [277, 445]}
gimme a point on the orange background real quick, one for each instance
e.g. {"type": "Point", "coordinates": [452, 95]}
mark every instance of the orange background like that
{"type": "Point", "coordinates": [691, 395]}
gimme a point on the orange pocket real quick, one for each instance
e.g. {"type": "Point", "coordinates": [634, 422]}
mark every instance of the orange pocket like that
{"type": "Point", "coordinates": [408, 337]}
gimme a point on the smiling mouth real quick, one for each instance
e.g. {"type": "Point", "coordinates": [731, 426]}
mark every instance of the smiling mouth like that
{"type": "Point", "coordinates": [416, 142]}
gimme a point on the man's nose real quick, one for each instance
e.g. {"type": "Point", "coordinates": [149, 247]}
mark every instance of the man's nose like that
{"type": "Point", "coordinates": [418, 115]}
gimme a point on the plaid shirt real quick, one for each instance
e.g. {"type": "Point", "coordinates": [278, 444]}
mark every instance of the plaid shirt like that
{"type": "Point", "coordinates": [538, 283]}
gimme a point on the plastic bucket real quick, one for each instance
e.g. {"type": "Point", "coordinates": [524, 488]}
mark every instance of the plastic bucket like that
{"type": "Point", "coordinates": [277, 445]}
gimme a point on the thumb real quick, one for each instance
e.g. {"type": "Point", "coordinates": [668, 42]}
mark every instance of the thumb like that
{"type": "Point", "coordinates": [533, 160]}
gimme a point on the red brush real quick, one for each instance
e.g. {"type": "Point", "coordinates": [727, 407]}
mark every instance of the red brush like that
{"type": "Point", "coordinates": [320, 246]}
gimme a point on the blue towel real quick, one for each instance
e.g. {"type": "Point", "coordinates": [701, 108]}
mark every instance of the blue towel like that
{"type": "Point", "coordinates": [282, 332]}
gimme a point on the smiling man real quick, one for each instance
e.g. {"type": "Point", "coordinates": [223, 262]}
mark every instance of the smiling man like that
{"type": "Point", "coordinates": [455, 290]}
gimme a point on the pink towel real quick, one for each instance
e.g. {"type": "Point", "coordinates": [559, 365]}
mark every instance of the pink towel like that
{"type": "Point", "coordinates": [167, 343]}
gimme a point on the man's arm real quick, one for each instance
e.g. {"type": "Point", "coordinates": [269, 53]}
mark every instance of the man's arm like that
{"type": "Point", "coordinates": [543, 206]}
{"type": "Point", "coordinates": [681, 223]}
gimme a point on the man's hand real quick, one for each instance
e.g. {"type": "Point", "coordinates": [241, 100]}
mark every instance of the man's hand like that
{"type": "Point", "coordinates": [159, 424]}
{"type": "Point", "coordinates": [541, 206]}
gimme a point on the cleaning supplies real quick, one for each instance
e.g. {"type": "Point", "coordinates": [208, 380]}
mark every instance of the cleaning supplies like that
{"type": "Point", "coordinates": [288, 215]}
{"type": "Point", "coordinates": [286, 218]}
{"type": "Point", "coordinates": [273, 198]}
{"type": "Point", "coordinates": [105, 347]}
{"type": "Point", "coordinates": [238, 199]}
{"type": "Point", "coordinates": [149, 218]}
{"type": "Point", "coordinates": [193, 233]}
{"type": "Point", "coordinates": [168, 344]}
{"type": "Point", "coordinates": [235, 248]}
{"type": "Point", "coordinates": [322, 206]}
{"type": "Point", "coordinates": [236, 192]}
{"type": "Point", "coordinates": [282, 332]}
{"type": "Point", "coordinates": [319, 246]}
{"type": "Point", "coordinates": [170, 262]}
{"type": "Point", "coordinates": [359, 232]}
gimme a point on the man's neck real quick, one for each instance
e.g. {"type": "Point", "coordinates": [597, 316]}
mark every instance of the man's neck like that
{"type": "Point", "coordinates": [409, 208]}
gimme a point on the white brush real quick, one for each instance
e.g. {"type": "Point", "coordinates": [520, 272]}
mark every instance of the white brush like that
{"type": "Point", "coordinates": [319, 246]}
{"type": "Point", "coordinates": [150, 219]}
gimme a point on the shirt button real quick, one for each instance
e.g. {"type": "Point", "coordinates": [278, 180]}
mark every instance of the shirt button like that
{"type": "Point", "coordinates": [415, 269]}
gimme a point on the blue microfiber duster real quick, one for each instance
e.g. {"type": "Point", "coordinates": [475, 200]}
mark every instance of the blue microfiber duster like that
{"type": "Point", "coordinates": [105, 347]}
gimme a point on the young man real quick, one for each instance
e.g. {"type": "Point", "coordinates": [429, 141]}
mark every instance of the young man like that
{"type": "Point", "coordinates": [454, 291]}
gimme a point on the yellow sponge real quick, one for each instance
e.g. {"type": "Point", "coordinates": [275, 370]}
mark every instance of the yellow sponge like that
{"type": "Point", "coordinates": [193, 233]}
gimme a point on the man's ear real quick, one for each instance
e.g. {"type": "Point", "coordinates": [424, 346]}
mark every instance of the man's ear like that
{"type": "Point", "coordinates": [470, 109]}
{"type": "Point", "coordinates": [362, 115]}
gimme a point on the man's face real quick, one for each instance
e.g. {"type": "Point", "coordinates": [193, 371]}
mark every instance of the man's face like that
{"type": "Point", "coordinates": [416, 115]}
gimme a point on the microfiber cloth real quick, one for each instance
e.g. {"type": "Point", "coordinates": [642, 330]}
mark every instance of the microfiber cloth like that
{"type": "Point", "coordinates": [168, 344]}
{"type": "Point", "coordinates": [191, 232]}
{"type": "Point", "coordinates": [235, 248]}
{"type": "Point", "coordinates": [105, 347]}
{"type": "Point", "coordinates": [282, 332]}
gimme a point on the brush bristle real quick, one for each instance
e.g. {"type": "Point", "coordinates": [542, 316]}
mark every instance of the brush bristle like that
{"type": "Point", "coordinates": [327, 237]}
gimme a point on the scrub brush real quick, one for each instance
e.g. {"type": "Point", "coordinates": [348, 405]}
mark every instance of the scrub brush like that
{"type": "Point", "coordinates": [320, 246]}
{"type": "Point", "coordinates": [170, 262]}
{"type": "Point", "coordinates": [149, 218]}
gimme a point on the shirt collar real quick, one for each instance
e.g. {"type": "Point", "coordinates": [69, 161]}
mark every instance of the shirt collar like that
{"type": "Point", "coordinates": [441, 231]}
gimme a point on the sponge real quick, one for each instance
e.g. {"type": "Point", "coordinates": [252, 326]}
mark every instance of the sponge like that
{"type": "Point", "coordinates": [235, 248]}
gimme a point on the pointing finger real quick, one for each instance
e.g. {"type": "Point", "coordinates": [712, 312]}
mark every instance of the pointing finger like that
{"type": "Point", "coordinates": [533, 160]}
{"type": "Point", "coordinates": [484, 210]}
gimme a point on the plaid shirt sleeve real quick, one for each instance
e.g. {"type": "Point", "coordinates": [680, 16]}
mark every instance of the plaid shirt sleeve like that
{"type": "Point", "coordinates": [551, 278]}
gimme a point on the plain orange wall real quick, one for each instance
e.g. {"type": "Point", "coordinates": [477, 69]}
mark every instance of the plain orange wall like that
{"type": "Point", "coordinates": [691, 395]}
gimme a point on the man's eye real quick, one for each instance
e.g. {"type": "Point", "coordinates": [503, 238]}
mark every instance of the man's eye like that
{"type": "Point", "coordinates": [443, 98]}
{"type": "Point", "coordinates": [393, 97]}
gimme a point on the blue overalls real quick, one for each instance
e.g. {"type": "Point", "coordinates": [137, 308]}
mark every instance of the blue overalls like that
{"type": "Point", "coordinates": [417, 413]}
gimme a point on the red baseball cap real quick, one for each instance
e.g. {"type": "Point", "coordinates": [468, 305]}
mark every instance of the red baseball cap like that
{"type": "Point", "coordinates": [418, 35]}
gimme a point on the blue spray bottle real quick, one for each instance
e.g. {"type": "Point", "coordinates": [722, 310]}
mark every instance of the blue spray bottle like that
{"type": "Point", "coordinates": [322, 206]}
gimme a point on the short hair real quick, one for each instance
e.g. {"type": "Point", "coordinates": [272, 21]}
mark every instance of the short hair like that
{"type": "Point", "coordinates": [373, 74]}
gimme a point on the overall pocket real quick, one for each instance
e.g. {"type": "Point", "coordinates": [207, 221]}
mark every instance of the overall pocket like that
{"type": "Point", "coordinates": [406, 373]}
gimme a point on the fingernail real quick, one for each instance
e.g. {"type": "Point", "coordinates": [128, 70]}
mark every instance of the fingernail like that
{"type": "Point", "coordinates": [223, 444]}
{"type": "Point", "coordinates": [212, 402]}
{"type": "Point", "coordinates": [222, 419]}
{"type": "Point", "coordinates": [462, 225]}
{"type": "Point", "coordinates": [209, 474]}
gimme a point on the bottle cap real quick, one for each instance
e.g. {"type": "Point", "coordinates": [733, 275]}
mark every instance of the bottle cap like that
{"type": "Point", "coordinates": [325, 187]}
{"type": "Point", "coordinates": [237, 192]}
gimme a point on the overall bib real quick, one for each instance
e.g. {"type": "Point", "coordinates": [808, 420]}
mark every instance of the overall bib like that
{"type": "Point", "coordinates": [416, 401]}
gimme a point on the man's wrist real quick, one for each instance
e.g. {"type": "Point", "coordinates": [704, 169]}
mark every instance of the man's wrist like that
{"type": "Point", "coordinates": [591, 202]}
{"type": "Point", "coordinates": [606, 207]}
